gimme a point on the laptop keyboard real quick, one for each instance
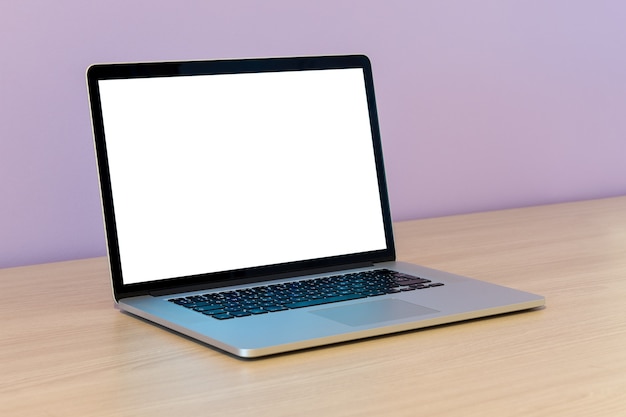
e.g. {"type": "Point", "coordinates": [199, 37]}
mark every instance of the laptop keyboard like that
{"type": "Point", "coordinates": [299, 294]}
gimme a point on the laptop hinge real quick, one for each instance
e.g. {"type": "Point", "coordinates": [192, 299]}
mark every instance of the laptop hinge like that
{"type": "Point", "coordinates": [250, 280]}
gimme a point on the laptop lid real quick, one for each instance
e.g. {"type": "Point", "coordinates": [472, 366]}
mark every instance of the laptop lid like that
{"type": "Point", "coordinates": [219, 172]}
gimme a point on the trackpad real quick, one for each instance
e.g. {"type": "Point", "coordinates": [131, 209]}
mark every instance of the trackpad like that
{"type": "Point", "coordinates": [373, 312]}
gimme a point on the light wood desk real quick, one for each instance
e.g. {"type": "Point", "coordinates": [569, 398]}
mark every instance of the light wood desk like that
{"type": "Point", "coordinates": [65, 351]}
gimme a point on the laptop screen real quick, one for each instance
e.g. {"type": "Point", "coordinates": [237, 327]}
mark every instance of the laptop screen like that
{"type": "Point", "coordinates": [218, 172]}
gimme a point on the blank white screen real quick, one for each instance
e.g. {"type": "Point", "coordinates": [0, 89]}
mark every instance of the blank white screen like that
{"type": "Point", "coordinates": [219, 172]}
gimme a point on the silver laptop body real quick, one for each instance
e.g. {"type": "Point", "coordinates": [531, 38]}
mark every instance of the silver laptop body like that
{"type": "Point", "coordinates": [245, 205]}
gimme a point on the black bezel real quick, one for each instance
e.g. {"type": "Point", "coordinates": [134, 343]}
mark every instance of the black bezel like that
{"type": "Point", "coordinates": [99, 72]}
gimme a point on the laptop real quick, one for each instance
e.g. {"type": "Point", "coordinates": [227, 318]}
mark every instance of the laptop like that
{"type": "Point", "coordinates": [245, 206]}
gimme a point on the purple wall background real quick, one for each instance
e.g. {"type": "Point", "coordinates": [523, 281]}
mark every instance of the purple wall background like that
{"type": "Point", "coordinates": [484, 104]}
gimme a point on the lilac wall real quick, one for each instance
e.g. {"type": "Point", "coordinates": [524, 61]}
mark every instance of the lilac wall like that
{"type": "Point", "coordinates": [484, 104]}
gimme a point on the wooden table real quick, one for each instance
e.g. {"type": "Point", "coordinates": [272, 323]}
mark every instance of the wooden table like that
{"type": "Point", "coordinates": [66, 351]}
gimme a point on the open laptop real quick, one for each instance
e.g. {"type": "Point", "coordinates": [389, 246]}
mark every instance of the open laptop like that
{"type": "Point", "coordinates": [245, 206]}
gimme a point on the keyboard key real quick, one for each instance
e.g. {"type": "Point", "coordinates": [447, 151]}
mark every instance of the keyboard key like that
{"type": "Point", "coordinates": [240, 313]}
{"type": "Point", "coordinates": [272, 309]}
{"type": "Point", "coordinates": [213, 312]}
{"type": "Point", "coordinates": [223, 316]}
{"type": "Point", "coordinates": [321, 301]}
{"type": "Point", "coordinates": [208, 307]}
